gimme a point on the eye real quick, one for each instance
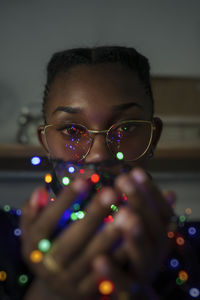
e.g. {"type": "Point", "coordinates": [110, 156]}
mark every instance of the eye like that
{"type": "Point", "coordinates": [72, 130]}
{"type": "Point", "coordinates": [127, 128]}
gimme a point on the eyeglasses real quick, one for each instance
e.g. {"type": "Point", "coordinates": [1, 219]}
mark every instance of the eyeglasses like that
{"type": "Point", "coordinates": [128, 140]}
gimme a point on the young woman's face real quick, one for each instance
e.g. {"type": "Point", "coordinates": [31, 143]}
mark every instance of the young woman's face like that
{"type": "Point", "coordinates": [98, 97]}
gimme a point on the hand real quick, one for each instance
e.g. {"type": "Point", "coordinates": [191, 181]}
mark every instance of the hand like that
{"type": "Point", "coordinates": [144, 224]}
{"type": "Point", "coordinates": [75, 248]}
{"type": "Point", "coordinates": [79, 245]}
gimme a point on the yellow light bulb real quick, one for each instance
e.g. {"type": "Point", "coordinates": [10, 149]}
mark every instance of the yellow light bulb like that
{"type": "Point", "coordinates": [36, 256]}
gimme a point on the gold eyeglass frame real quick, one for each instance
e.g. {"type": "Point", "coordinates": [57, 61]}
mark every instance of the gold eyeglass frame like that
{"type": "Point", "coordinates": [106, 131]}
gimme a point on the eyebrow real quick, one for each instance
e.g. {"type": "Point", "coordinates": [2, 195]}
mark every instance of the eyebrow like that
{"type": "Point", "coordinates": [115, 108]}
{"type": "Point", "coordinates": [67, 109]}
{"type": "Point", "coordinates": [125, 106]}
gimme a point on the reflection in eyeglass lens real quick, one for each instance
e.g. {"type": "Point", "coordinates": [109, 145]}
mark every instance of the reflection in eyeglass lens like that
{"type": "Point", "coordinates": [130, 138]}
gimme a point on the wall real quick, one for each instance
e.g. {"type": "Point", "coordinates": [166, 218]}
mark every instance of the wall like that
{"type": "Point", "coordinates": [30, 31]}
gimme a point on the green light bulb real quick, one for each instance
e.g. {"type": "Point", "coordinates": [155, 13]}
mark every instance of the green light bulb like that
{"type": "Point", "coordinates": [120, 155]}
{"type": "Point", "coordinates": [73, 216]}
{"type": "Point", "coordinates": [66, 180]}
{"type": "Point", "coordinates": [23, 279]}
{"type": "Point", "coordinates": [44, 245]}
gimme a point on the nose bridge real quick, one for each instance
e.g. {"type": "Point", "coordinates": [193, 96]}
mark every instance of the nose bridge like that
{"type": "Point", "coordinates": [99, 150]}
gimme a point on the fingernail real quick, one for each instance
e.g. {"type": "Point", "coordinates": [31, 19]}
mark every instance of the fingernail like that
{"type": "Point", "coordinates": [43, 197]}
{"type": "Point", "coordinates": [125, 184]}
{"type": "Point", "coordinates": [120, 218]}
{"type": "Point", "coordinates": [79, 185]}
{"type": "Point", "coordinates": [139, 176]}
{"type": "Point", "coordinates": [107, 197]}
{"type": "Point", "coordinates": [39, 198]}
{"type": "Point", "coordinates": [128, 222]}
{"type": "Point", "coordinates": [101, 265]}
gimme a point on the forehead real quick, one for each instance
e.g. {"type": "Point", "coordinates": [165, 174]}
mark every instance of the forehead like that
{"type": "Point", "coordinates": [97, 88]}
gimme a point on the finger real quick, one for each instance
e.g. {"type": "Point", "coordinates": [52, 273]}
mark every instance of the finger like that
{"type": "Point", "coordinates": [136, 242]}
{"type": "Point", "coordinates": [140, 249]}
{"type": "Point", "coordinates": [170, 197]}
{"type": "Point", "coordinates": [141, 206]}
{"type": "Point", "coordinates": [49, 217]}
{"type": "Point", "coordinates": [82, 231]}
{"type": "Point", "coordinates": [106, 241]}
{"type": "Point", "coordinates": [31, 208]}
{"type": "Point", "coordinates": [151, 193]}
{"type": "Point", "coordinates": [107, 269]}
{"type": "Point", "coordinates": [88, 285]}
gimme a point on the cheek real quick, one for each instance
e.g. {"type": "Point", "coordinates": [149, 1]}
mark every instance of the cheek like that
{"type": "Point", "coordinates": [56, 153]}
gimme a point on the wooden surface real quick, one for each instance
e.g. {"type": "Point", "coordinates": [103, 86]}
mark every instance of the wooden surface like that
{"type": "Point", "coordinates": [23, 151]}
{"type": "Point", "coordinates": [176, 96]}
{"type": "Point", "coordinates": [17, 157]}
{"type": "Point", "coordinates": [18, 150]}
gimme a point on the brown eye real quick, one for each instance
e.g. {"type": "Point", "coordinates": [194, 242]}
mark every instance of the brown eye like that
{"type": "Point", "coordinates": [72, 130]}
{"type": "Point", "coordinates": [127, 128]}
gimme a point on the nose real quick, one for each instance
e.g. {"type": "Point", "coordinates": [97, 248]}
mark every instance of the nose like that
{"type": "Point", "coordinates": [99, 150]}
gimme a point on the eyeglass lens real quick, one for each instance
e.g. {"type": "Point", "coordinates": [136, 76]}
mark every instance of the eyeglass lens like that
{"type": "Point", "coordinates": [74, 141]}
{"type": "Point", "coordinates": [131, 139]}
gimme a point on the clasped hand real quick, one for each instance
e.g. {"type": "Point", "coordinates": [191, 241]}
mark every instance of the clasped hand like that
{"type": "Point", "coordinates": [128, 251]}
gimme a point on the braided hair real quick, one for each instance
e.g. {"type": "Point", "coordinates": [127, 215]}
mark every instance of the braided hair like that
{"type": "Point", "coordinates": [63, 61]}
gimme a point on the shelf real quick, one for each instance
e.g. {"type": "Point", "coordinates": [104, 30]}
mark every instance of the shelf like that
{"type": "Point", "coordinates": [17, 157]}
{"type": "Point", "coordinates": [177, 153]}
{"type": "Point", "coordinates": [18, 150]}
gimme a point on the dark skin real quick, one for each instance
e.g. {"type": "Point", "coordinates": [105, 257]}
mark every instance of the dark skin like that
{"type": "Point", "coordinates": [99, 96]}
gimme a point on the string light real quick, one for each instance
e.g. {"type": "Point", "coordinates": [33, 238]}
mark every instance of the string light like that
{"type": "Point", "coordinates": [6, 208]}
{"type": "Point", "coordinates": [179, 281]}
{"type": "Point", "coordinates": [180, 241]}
{"type": "Point", "coordinates": [36, 256]}
{"type": "Point", "coordinates": [194, 292]}
{"type": "Point", "coordinates": [98, 187]}
{"type": "Point", "coordinates": [44, 245]}
{"type": "Point", "coordinates": [48, 178]}
{"type": "Point", "coordinates": [18, 212]}
{"type": "Point", "coordinates": [183, 275]}
{"type": "Point", "coordinates": [66, 180]}
{"type": "Point", "coordinates": [95, 178]}
{"type": "Point", "coordinates": [71, 169]}
{"type": "Point", "coordinates": [188, 211]}
{"type": "Point", "coordinates": [76, 206]}
{"type": "Point", "coordinates": [3, 275]}
{"type": "Point", "coordinates": [108, 219]}
{"type": "Point", "coordinates": [106, 287]}
{"type": "Point", "coordinates": [17, 232]}
{"type": "Point", "coordinates": [182, 219]}
{"type": "Point", "coordinates": [35, 160]}
{"type": "Point", "coordinates": [23, 279]}
{"type": "Point", "coordinates": [114, 207]}
{"type": "Point", "coordinates": [124, 197]}
{"type": "Point", "coordinates": [174, 263]}
{"type": "Point", "coordinates": [192, 231]}
{"type": "Point", "coordinates": [74, 217]}
{"type": "Point", "coordinates": [120, 155]}
{"type": "Point", "coordinates": [80, 214]}
{"type": "Point", "coordinates": [170, 234]}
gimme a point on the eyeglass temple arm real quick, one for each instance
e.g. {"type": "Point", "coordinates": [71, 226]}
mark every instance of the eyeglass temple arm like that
{"type": "Point", "coordinates": [44, 128]}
